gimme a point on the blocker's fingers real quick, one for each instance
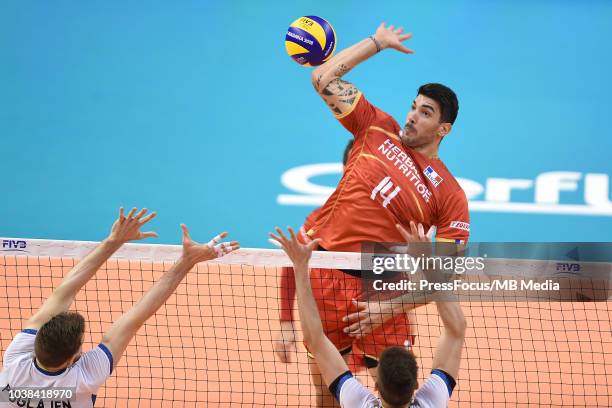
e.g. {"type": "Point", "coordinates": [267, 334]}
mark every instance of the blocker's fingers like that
{"type": "Point", "coordinates": [217, 239]}
{"type": "Point", "coordinates": [141, 213]}
{"type": "Point", "coordinates": [405, 37]}
{"type": "Point", "coordinates": [121, 214]}
{"type": "Point", "coordinates": [430, 232]}
{"type": "Point", "coordinates": [413, 230]}
{"type": "Point", "coordinates": [421, 230]}
{"type": "Point", "coordinates": [218, 251]}
{"type": "Point", "coordinates": [403, 231]}
{"type": "Point", "coordinates": [275, 242]}
{"type": "Point", "coordinates": [282, 235]}
{"type": "Point", "coordinates": [148, 218]}
{"type": "Point", "coordinates": [275, 237]}
{"type": "Point", "coordinates": [292, 233]}
{"type": "Point", "coordinates": [149, 234]}
{"type": "Point", "coordinates": [131, 213]}
{"type": "Point", "coordinates": [312, 244]}
{"type": "Point", "coordinates": [185, 231]}
{"type": "Point", "coordinates": [399, 30]}
{"type": "Point", "coordinates": [225, 248]}
{"type": "Point", "coordinates": [304, 235]}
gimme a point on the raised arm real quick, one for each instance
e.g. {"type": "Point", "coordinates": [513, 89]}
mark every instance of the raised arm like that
{"type": "Point", "coordinates": [450, 344]}
{"type": "Point", "coordinates": [340, 95]}
{"type": "Point", "coordinates": [328, 358]}
{"type": "Point", "coordinates": [124, 329]}
{"type": "Point", "coordinates": [123, 230]}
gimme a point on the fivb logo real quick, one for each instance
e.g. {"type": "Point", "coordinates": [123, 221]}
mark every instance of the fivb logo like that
{"type": "Point", "coordinates": [382, 188]}
{"type": "Point", "coordinates": [14, 245]}
{"type": "Point", "coordinates": [494, 195]}
{"type": "Point", "coordinates": [568, 267]}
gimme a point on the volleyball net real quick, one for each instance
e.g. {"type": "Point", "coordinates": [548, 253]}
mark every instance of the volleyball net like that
{"type": "Point", "coordinates": [211, 344]}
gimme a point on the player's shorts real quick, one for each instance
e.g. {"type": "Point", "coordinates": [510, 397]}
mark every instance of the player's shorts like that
{"type": "Point", "coordinates": [334, 292]}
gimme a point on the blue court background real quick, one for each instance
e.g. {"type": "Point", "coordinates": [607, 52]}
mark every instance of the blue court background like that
{"type": "Point", "coordinates": [193, 109]}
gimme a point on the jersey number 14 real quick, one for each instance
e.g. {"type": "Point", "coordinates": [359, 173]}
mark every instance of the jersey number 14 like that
{"type": "Point", "coordinates": [383, 188]}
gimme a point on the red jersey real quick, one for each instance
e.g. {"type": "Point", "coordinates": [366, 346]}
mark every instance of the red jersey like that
{"type": "Point", "coordinates": [386, 183]}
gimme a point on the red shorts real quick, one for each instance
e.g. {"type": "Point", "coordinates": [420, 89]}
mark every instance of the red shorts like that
{"type": "Point", "coordinates": [334, 291]}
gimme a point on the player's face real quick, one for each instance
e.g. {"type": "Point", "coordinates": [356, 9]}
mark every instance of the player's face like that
{"type": "Point", "coordinates": [422, 123]}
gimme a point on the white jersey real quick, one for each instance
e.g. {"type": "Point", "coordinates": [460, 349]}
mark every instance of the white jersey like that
{"type": "Point", "coordinates": [434, 393]}
{"type": "Point", "coordinates": [21, 371]}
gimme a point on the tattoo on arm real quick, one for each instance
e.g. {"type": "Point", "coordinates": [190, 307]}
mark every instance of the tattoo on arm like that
{"type": "Point", "coordinates": [339, 95]}
{"type": "Point", "coordinates": [341, 70]}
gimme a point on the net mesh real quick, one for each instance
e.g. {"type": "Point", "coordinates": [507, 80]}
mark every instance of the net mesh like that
{"type": "Point", "coordinates": [212, 342]}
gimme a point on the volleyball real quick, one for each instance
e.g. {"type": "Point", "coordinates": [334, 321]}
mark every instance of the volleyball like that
{"type": "Point", "coordinates": [310, 41]}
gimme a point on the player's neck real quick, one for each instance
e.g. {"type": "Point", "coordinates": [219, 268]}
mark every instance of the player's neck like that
{"type": "Point", "coordinates": [51, 369]}
{"type": "Point", "coordinates": [385, 405]}
{"type": "Point", "coordinates": [430, 151]}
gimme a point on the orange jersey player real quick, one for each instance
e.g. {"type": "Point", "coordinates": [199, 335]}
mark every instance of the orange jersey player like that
{"type": "Point", "coordinates": [393, 177]}
{"type": "Point", "coordinates": [387, 182]}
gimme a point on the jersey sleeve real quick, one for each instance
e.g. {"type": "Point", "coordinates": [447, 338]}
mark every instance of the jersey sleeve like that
{"type": "Point", "coordinates": [23, 343]}
{"type": "Point", "coordinates": [435, 392]}
{"type": "Point", "coordinates": [96, 366]}
{"type": "Point", "coordinates": [453, 225]}
{"type": "Point", "coordinates": [351, 393]}
{"type": "Point", "coordinates": [361, 116]}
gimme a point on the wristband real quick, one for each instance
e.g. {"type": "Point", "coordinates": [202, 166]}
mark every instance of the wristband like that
{"type": "Point", "coordinates": [376, 43]}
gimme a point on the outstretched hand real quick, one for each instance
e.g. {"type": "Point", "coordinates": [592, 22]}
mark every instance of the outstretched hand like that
{"type": "Point", "coordinates": [195, 252]}
{"type": "Point", "coordinates": [296, 251]}
{"type": "Point", "coordinates": [127, 228]}
{"type": "Point", "coordinates": [390, 37]}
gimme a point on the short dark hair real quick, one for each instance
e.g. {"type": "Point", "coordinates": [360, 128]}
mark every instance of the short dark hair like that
{"type": "Point", "coordinates": [446, 98]}
{"type": "Point", "coordinates": [347, 151]}
{"type": "Point", "coordinates": [397, 375]}
{"type": "Point", "coordinates": [59, 339]}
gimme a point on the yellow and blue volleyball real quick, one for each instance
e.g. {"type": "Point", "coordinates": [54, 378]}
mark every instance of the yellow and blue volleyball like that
{"type": "Point", "coordinates": [310, 41]}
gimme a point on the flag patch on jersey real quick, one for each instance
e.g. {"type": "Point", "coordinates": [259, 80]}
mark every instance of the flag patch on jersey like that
{"type": "Point", "coordinates": [434, 177]}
